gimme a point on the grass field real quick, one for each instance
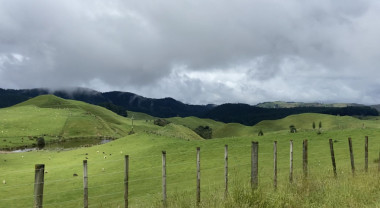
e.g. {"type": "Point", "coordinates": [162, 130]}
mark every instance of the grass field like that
{"type": "Point", "coordinates": [106, 162]}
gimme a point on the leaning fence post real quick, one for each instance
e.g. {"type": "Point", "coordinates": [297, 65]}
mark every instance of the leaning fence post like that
{"type": "Point", "coordinates": [305, 172]}
{"type": "Point", "coordinates": [126, 180]}
{"type": "Point", "coordinates": [198, 176]}
{"type": "Point", "coordinates": [379, 163]}
{"type": "Point", "coordinates": [275, 164]}
{"type": "Point", "coordinates": [85, 185]}
{"type": "Point", "coordinates": [366, 154]}
{"type": "Point", "coordinates": [254, 164]}
{"type": "Point", "coordinates": [351, 156]}
{"type": "Point", "coordinates": [225, 171]}
{"type": "Point", "coordinates": [291, 162]}
{"type": "Point", "coordinates": [332, 157]}
{"type": "Point", "coordinates": [38, 185]}
{"type": "Point", "coordinates": [164, 178]}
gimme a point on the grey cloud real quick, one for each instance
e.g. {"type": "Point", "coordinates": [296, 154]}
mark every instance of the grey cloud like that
{"type": "Point", "coordinates": [285, 48]}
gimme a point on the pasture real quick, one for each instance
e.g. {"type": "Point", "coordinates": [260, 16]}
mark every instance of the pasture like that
{"type": "Point", "coordinates": [144, 147]}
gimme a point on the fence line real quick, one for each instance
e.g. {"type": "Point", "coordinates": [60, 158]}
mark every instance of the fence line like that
{"type": "Point", "coordinates": [177, 164]}
{"type": "Point", "coordinates": [256, 158]}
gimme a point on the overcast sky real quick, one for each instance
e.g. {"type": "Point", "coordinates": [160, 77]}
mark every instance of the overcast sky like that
{"type": "Point", "coordinates": [196, 51]}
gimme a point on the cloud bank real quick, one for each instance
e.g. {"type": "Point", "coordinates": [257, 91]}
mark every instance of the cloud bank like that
{"type": "Point", "coordinates": [196, 51]}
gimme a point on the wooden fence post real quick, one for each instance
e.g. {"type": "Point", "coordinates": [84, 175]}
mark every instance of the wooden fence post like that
{"type": "Point", "coordinates": [366, 154]}
{"type": "Point", "coordinates": [291, 162]}
{"type": "Point", "coordinates": [85, 185]}
{"type": "Point", "coordinates": [198, 176]}
{"type": "Point", "coordinates": [126, 180]}
{"type": "Point", "coordinates": [332, 157]}
{"type": "Point", "coordinates": [38, 185]}
{"type": "Point", "coordinates": [304, 159]}
{"type": "Point", "coordinates": [225, 171]}
{"type": "Point", "coordinates": [275, 165]}
{"type": "Point", "coordinates": [351, 156]}
{"type": "Point", "coordinates": [164, 178]}
{"type": "Point", "coordinates": [254, 164]}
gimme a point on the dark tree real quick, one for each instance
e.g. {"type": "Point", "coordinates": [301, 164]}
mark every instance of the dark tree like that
{"type": "Point", "coordinates": [320, 124]}
{"type": "Point", "coordinates": [40, 143]}
{"type": "Point", "coordinates": [292, 129]}
{"type": "Point", "coordinates": [161, 122]}
{"type": "Point", "coordinates": [313, 125]}
{"type": "Point", "coordinates": [204, 131]}
{"type": "Point", "coordinates": [115, 108]}
{"type": "Point", "coordinates": [261, 133]}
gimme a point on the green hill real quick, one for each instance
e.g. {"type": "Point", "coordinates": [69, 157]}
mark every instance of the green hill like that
{"type": "Point", "coordinates": [57, 119]}
{"type": "Point", "coordinates": [304, 122]}
{"type": "Point", "coordinates": [140, 116]}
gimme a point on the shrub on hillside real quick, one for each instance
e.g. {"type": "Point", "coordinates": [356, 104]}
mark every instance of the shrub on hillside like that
{"type": "Point", "coordinates": [161, 122]}
{"type": "Point", "coordinates": [40, 142]}
{"type": "Point", "coordinates": [115, 108]}
{"type": "Point", "coordinates": [292, 129]}
{"type": "Point", "coordinates": [204, 131]}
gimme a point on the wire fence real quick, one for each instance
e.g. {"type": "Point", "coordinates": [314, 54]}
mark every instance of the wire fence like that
{"type": "Point", "coordinates": [62, 190]}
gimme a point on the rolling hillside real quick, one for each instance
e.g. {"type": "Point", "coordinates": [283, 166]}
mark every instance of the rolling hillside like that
{"type": "Point", "coordinates": [57, 119]}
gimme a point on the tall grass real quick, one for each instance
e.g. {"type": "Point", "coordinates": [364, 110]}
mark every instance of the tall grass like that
{"type": "Point", "coordinates": [322, 190]}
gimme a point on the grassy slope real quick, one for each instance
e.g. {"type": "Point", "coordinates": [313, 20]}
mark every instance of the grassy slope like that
{"type": "Point", "coordinates": [54, 117]}
{"type": "Point", "coordinates": [303, 122]}
{"type": "Point", "coordinates": [140, 116]}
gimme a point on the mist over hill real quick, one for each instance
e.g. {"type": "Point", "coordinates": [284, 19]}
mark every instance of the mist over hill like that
{"type": "Point", "coordinates": [169, 107]}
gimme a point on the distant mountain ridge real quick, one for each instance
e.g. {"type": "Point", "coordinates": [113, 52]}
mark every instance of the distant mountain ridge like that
{"type": "Point", "coordinates": [281, 104]}
{"type": "Point", "coordinates": [165, 107]}
{"type": "Point", "coordinates": [169, 107]}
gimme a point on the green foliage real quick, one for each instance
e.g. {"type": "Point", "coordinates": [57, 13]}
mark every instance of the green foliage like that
{"type": "Point", "coordinates": [40, 142]}
{"type": "Point", "coordinates": [115, 108]}
{"type": "Point", "coordinates": [261, 133]}
{"type": "Point", "coordinates": [292, 129]}
{"type": "Point", "coordinates": [313, 125]}
{"type": "Point", "coordinates": [204, 131]}
{"type": "Point", "coordinates": [161, 122]}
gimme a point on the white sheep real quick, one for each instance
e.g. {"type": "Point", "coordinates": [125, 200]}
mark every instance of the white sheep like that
{"type": "Point", "coordinates": [4, 182]}
{"type": "Point", "coordinates": [105, 157]}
